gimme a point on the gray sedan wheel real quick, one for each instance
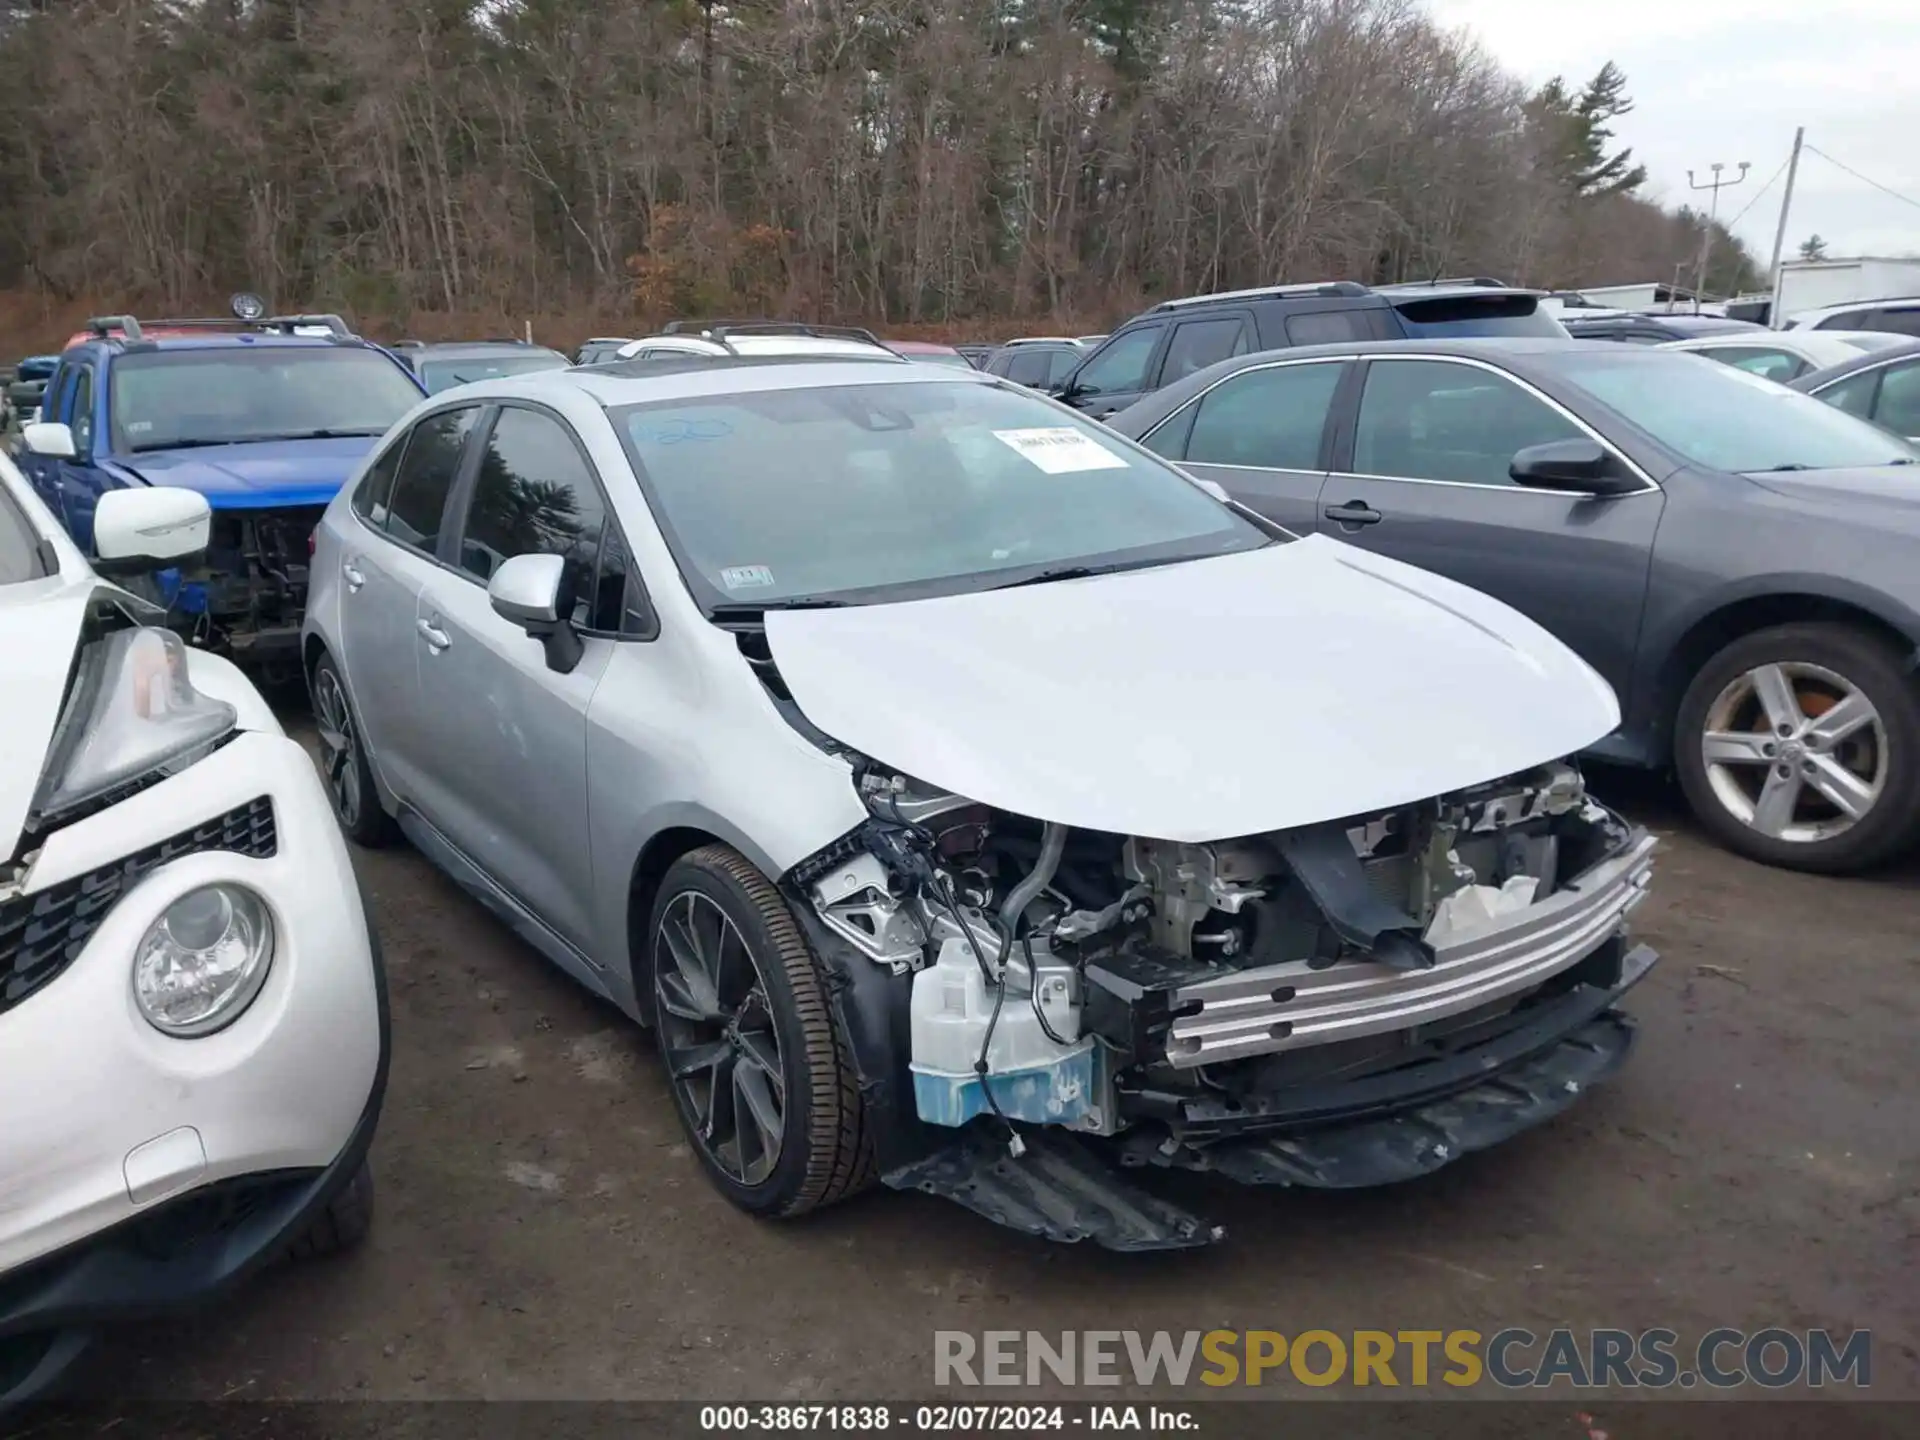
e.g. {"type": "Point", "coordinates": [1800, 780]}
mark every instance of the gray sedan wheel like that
{"type": "Point", "coordinates": [343, 760]}
{"type": "Point", "coordinates": [1797, 746]}
{"type": "Point", "coordinates": [759, 1071]}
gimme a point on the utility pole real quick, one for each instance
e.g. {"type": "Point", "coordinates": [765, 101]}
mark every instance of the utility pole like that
{"type": "Point", "coordinates": [1716, 185]}
{"type": "Point", "coordinates": [1774, 317]}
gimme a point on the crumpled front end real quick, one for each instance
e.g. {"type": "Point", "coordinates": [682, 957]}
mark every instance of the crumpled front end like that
{"type": "Point", "coordinates": [1341, 1004]}
{"type": "Point", "coordinates": [246, 597]}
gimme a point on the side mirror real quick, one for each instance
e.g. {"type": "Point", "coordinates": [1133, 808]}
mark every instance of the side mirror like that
{"type": "Point", "coordinates": [536, 593]}
{"type": "Point", "coordinates": [147, 527]}
{"type": "Point", "coordinates": [49, 438]}
{"type": "Point", "coordinates": [1583, 465]}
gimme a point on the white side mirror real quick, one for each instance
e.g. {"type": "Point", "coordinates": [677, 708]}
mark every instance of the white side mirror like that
{"type": "Point", "coordinates": [525, 590]}
{"type": "Point", "coordinates": [533, 592]}
{"type": "Point", "coordinates": [148, 527]}
{"type": "Point", "coordinates": [50, 438]}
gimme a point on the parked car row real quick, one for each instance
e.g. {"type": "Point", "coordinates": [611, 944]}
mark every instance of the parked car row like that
{"type": "Point", "coordinates": [810, 699]}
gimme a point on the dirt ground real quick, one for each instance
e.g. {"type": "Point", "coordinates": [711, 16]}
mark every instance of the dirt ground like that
{"type": "Point", "coordinates": [543, 1232]}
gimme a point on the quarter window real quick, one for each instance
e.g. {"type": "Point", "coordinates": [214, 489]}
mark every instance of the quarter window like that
{"type": "Point", "coordinates": [1329, 327]}
{"type": "Point", "coordinates": [375, 490]}
{"type": "Point", "coordinates": [1271, 418]}
{"type": "Point", "coordinates": [535, 495]}
{"type": "Point", "coordinates": [1432, 420]}
{"type": "Point", "coordinates": [425, 477]}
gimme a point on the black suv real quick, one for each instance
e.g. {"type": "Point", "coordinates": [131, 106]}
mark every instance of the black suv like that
{"type": "Point", "coordinates": [1173, 340]}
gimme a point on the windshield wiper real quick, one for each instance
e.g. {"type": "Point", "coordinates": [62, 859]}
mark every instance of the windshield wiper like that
{"type": "Point", "coordinates": [751, 610]}
{"type": "Point", "coordinates": [1779, 469]}
{"type": "Point", "coordinates": [321, 434]}
{"type": "Point", "coordinates": [180, 445]}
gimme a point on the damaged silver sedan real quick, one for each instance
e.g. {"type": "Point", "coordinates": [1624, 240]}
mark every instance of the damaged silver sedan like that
{"type": "Point", "coordinates": [967, 799]}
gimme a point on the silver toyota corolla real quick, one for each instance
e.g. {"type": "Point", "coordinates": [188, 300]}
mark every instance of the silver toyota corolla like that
{"type": "Point", "coordinates": [969, 799]}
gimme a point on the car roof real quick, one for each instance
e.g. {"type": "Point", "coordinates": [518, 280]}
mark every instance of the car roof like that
{"type": "Point", "coordinates": [158, 338]}
{"type": "Point", "coordinates": [1865, 360]}
{"type": "Point", "coordinates": [920, 347]}
{"type": "Point", "coordinates": [1894, 302]}
{"type": "Point", "coordinates": [633, 382]}
{"type": "Point", "coordinates": [477, 349]}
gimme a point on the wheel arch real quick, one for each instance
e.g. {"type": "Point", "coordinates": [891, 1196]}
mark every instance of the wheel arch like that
{"type": "Point", "coordinates": [650, 867]}
{"type": "Point", "coordinates": [1712, 631]}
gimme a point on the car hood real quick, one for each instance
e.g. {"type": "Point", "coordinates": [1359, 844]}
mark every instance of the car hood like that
{"type": "Point", "coordinates": [40, 624]}
{"type": "Point", "coordinates": [1885, 496]}
{"type": "Point", "coordinates": [262, 473]}
{"type": "Point", "coordinates": [1229, 696]}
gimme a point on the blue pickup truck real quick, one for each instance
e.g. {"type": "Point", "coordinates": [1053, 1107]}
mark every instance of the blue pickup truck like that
{"type": "Point", "coordinates": [265, 417]}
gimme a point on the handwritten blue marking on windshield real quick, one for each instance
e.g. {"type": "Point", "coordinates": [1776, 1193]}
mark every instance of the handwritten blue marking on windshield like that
{"type": "Point", "coordinates": [679, 430]}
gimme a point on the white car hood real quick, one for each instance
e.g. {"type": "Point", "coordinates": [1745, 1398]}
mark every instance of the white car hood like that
{"type": "Point", "coordinates": [1229, 696]}
{"type": "Point", "coordinates": [39, 625]}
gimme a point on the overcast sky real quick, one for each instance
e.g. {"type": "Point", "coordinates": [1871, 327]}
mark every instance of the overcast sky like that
{"type": "Point", "coordinates": [1728, 80]}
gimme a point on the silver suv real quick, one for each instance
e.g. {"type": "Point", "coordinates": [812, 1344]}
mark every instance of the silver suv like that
{"type": "Point", "coordinates": [968, 798]}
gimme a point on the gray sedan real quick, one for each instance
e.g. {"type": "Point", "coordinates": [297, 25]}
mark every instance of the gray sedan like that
{"type": "Point", "coordinates": [1736, 560]}
{"type": "Point", "coordinates": [1882, 386]}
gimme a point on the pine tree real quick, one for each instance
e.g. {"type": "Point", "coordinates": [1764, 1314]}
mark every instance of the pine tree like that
{"type": "Point", "coordinates": [1578, 129]}
{"type": "Point", "coordinates": [1813, 248]}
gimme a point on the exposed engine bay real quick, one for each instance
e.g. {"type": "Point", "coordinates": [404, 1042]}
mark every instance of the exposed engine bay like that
{"type": "Point", "coordinates": [1112, 984]}
{"type": "Point", "coordinates": [245, 598]}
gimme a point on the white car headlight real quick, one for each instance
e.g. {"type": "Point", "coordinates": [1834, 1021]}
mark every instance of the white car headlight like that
{"type": "Point", "coordinates": [200, 965]}
{"type": "Point", "coordinates": [133, 710]}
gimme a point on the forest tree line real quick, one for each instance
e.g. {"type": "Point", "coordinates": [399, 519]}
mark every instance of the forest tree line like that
{"type": "Point", "coordinates": [891, 161]}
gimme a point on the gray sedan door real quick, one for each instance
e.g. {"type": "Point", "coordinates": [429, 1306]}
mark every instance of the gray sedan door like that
{"type": "Point", "coordinates": [504, 776]}
{"type": "Point", "coordinates": [1425, 480]}
{"type": "Point", "coordinates": [1261, 433]}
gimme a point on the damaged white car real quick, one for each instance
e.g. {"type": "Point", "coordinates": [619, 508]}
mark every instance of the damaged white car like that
{"type": "Point", "coordinates": [968, 799]}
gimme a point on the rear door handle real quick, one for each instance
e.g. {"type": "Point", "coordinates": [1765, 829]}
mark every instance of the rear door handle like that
{"type": "Point", "coordinates": [352, 574]}
{"type": "Point", "coordinates": [436, 638]}
{"type": "Point", "coordinates": [1354, 514]}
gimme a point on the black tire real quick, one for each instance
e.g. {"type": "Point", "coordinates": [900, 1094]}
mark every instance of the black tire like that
{"type": "Point", "coordinates": [1865, 662]}
{"type": "Point", "coordinates": [824, 1154]}
{"type": "Point", "coordinates": [344, 1222]}
{"type": "Point", "coordinates": [344, 772]}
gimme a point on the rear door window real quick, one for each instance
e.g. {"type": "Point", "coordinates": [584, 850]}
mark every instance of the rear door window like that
{"type": "Point", "coordinates": [1029, 365]}
{"type": "Point", "coordinates": [1899, 407]}
{"type": "Point", "coordinates": [1271, 418]}
{"type": "Point", "coordinates": [426, 475]}
{"type": "Point", "coordinates": [1855, 394]}
{"type": "Point", "coordinates": [1196, 344]}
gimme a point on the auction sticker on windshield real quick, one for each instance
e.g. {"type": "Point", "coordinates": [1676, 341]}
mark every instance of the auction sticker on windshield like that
{"type": "Point", "coordinates": [1061, 449]}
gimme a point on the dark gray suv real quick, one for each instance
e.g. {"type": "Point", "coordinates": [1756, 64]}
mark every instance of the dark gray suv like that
{"type": "Point", "coordinates": [1736, 559]}
{"type": "Point", "coordinates": [1175, 339]}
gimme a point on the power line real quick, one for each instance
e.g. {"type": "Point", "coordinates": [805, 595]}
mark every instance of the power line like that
{"type": "Point", "coordinates": [1756, 197]}
{"type": "Point", "coordinates": [1883, 189]}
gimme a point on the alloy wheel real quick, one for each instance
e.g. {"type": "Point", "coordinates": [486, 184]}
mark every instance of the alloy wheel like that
{"type": "Point", "coordinates": [1795, 751]}
{"type": "Point", "coordinates": [722, 1047]}
{"type": "Point", "coordinates": [340, 762]}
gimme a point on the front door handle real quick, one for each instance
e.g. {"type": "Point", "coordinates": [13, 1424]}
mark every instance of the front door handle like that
{"type": "Point", "coordinates": [352, 574]}
{"type": "Point", "coordinates": [1353, 514]}
{"type": "Point", "coordinates": [436, 638]}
